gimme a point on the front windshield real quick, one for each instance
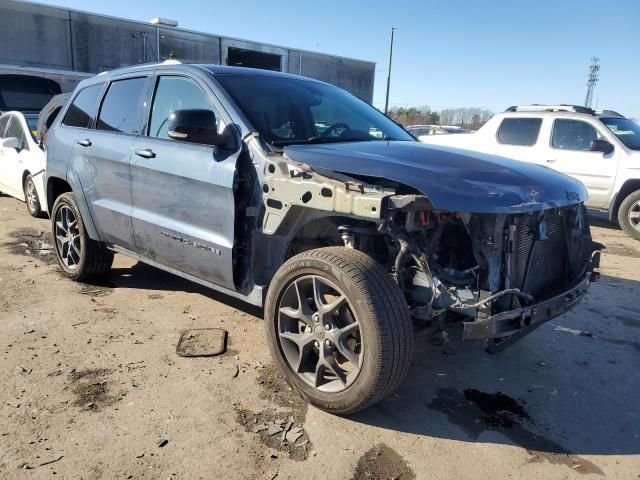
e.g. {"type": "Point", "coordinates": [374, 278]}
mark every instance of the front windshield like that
{"type": "Point", "coordinates": [287, 111]}
{"type": "Point", "coordinates": [626, 130]}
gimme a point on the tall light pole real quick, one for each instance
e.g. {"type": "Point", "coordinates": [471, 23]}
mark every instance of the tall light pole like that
{"type": "Point", "coordinates": [386, 102]}
{"type": "Point", "coordinates": [167, 23]}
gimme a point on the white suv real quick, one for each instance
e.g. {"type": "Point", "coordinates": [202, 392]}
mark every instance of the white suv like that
{"type": "Point", "coordinates": [599, 148]}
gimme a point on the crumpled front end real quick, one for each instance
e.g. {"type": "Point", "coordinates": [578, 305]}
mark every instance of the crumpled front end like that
{"type": "Point", "coordinates": [502, 275]}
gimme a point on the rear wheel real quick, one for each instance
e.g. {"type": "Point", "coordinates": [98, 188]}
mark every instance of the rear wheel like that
{"type": "Point", "coordinates": [31, 197]}
{"type": "Point", "coordinates": [339, 328]}
{"type": "Point", "coordinates": [629, 215]}
{"type": "Point", "coordinates": [81, 257]}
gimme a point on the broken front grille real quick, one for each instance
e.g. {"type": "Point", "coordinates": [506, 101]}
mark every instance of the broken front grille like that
{"type": "Point", "coordinates": [539, 260]}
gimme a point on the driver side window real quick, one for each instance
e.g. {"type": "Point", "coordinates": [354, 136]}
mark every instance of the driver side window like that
{"type": "Point", "coordinates": [177, 93]}
{"type": "Point", "coordinates": [573, 135]}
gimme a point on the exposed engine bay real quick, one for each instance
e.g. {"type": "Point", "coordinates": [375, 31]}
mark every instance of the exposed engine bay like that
{"type": "Point", "coordinates": [488, 269]}
{"type": "Point", "coordinates": [502, 274]}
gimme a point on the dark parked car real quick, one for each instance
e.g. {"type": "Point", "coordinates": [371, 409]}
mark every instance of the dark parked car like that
{"type": "Point", "coordinates": [272, 188]}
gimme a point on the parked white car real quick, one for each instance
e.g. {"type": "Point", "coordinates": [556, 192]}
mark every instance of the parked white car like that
{"type": "Point", "coordinates": [22, 161]}
{"type": "Point", "coordinates": [599, 148]}
{"type": "Point", "coordinates": [423, 131]}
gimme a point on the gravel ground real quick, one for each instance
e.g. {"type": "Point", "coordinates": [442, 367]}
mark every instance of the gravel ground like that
{"type": "Point", "coordinates": [92, 386]}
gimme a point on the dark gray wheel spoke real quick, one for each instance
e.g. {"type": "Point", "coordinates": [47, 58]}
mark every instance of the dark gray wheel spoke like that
{"type": "Point", "coordinates": [322, 307]}
{"type": "Point", "coordinates": [304, 342]}
{"type": "Point", "coordinates": [352, 357]}
{"type": "Point", "coordinates": [345, 331]}
{"type": "Point", "coordinates": [328, 366]}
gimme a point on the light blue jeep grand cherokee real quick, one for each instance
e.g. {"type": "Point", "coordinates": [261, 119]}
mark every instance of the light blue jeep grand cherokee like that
{"type": "Point", "coordinates": [293, 195]}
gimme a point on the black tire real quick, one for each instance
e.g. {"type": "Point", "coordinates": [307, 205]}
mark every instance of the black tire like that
{"type": "Point", "coordinates": [31, 197]}
{"type": "Point", "coordinates": [630, 206]}
{"type": "Point", "coordinates": [92, 260]}
{"type": "Point", "coordinates": [379, 306]}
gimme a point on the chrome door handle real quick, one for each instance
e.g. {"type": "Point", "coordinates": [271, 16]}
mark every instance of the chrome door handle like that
{"type": "Point", "coordinates": [145, 153]}
{"type": "Point", "coordinates": [84, 143]}
{"type": "Point", "coordinates": [552, 160]}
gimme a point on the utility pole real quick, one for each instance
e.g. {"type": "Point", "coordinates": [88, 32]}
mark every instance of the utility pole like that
{"type": "Point", "coordinates": [386, 102]}
{"type": "Point", "coordinates": [592, 79]}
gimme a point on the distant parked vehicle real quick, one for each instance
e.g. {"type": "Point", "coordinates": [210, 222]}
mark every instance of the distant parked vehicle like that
{"type": "Point", "coordinates": [419, 131]}
{"type": "Point", "coordinates": [26, 93]}
{"type": "Point", "coordinates": [22, 161]}
{"type": "Point", "coordinates": [599, 148]}
{"type": "Point", "coordinates": [48, 114]}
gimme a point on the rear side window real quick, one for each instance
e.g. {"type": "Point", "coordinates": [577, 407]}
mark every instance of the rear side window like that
{"type": "Point", "coordinates": [83, 108]}
{"type": "Point", "coordinates": [572, 135]}
{"type": "Point", "coordinates": [3, 125]}
{"type": "Point", "coordinates": [519, 131]}
{"type": "Point", "coordinates": [119, 111]}
{"type": "Point", "coordinates": [15, 130]}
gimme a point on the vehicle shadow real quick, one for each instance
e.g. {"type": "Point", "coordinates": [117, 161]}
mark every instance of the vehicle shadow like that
{"type": "Point", "coordinates": [601, 219]}
{"type": "Point", "coordinates": [557, 391]}
{"type": "Point", "coordinates": [146, 277]}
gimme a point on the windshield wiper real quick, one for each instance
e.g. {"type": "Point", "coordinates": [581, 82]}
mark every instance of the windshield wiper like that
{"type": "Point", "coordinates": [320, 139]}
{"type": "Point", "coordinates": [312, 140]}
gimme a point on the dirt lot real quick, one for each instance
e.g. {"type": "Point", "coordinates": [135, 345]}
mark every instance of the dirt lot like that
{"type": "Point", "coordinates": [92, 386]}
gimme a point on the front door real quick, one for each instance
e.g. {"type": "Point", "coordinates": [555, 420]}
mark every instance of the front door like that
{"type": "Point", "coordinates": [570, 152]}
{"type": "Point", "coordinates": [183, 203]}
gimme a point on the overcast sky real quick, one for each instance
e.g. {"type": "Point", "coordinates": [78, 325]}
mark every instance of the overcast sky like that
{"type": "Point", "coordinates": [489, 54]}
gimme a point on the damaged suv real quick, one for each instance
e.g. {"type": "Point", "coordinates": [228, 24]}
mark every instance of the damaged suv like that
{"type": "Point", "coordinates": [294, 195]}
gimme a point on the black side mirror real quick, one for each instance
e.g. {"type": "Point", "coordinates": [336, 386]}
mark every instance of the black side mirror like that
{"type": "Point", "coordinates": [196, 126]}
{"type": "Point", "coordinates": [601, 146]}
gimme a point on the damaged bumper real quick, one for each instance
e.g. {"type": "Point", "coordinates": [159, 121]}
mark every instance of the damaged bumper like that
{"type": "Point", "coordinates": [506, 328]}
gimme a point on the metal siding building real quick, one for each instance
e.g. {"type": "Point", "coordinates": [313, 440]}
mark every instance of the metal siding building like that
{"type": "Point", "coordinates": [68, 45]}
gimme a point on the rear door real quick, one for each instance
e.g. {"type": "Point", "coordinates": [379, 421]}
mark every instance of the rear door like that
{"type": "Point", "coordinates": [101, 159]}
{"type": "Point", "coordinates": [183, 203]}
{"type": "Point", "coordinates": [569, 152]}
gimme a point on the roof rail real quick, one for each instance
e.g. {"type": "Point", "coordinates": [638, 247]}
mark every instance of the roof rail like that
{"type": "Point", "coordinates": [550, 108]}
{"type": "Point", "coordinates": [609, 113]}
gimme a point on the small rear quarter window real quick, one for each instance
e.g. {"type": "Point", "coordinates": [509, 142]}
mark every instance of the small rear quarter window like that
{"type": "Point", "coordinates": [519, 131]}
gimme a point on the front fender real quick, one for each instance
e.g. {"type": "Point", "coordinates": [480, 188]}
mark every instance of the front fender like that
{"type": "Point", "coordinates": [74, 181]}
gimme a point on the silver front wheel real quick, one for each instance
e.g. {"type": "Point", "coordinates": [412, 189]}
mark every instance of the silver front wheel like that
{"type": "Point", "coordinates": [634, 215]}
{"type": "Point", "coordinates": [31, 197]}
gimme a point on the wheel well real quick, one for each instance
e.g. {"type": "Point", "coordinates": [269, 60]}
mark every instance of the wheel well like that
{"type": "Point", "coordinates": [25, 174]}
{"type": "Point", "coordinates": [269, 252]}
{"type": "Point", "coordinates": [629, 187]}
{"type": "Point", "coordinates": [55, 188]}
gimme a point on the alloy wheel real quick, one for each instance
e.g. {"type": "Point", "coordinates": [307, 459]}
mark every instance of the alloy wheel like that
{"type": "Point", "coordinates": [319, 335]}
{"type": "Point", "coordinates": [32, 196]}
{"type": "Point", "coordinates": [634, 215]}
{"type": "Point", "coordinates": [67, 235]}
